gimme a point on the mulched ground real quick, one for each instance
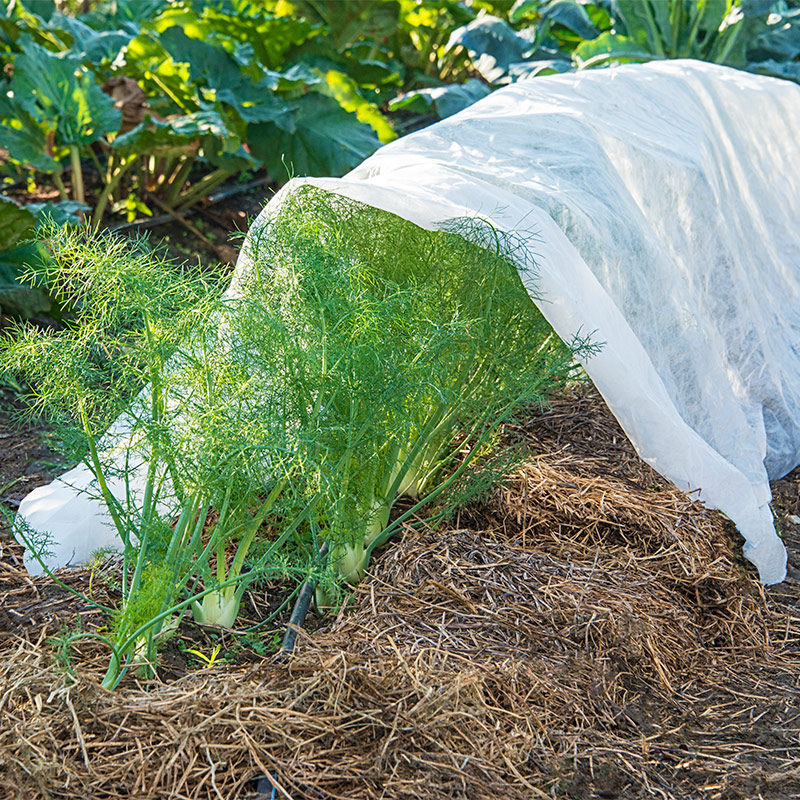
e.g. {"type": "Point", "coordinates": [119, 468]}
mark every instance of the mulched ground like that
{"type": "Point", "coordinates": [584, 631]}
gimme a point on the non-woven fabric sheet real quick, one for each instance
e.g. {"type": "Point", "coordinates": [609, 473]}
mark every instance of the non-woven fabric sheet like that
{"type": "Point", "coordinates": [661, 201]}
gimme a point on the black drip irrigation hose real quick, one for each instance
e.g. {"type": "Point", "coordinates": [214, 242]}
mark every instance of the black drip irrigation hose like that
{"type": "Point", "coordinates": [265, 785]}
{"type": "Point", "coordinates": [300, 609]}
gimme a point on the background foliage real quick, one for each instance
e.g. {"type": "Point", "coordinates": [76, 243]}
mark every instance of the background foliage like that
{"type": "Point", "coordinates": [126, 106]}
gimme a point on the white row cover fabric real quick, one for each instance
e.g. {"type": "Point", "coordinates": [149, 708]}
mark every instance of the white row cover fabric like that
{"type": "Point", "coordinates": [665, 199]}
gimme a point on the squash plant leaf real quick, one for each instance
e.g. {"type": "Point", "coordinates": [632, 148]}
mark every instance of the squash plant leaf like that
{"type": "Point", "coordinates": [345, 90]}
{"type": "Point", "coordinates": [492, 45]}
{"type": "Point", "coordinates": [609, 47]}
{"type": "Point", "coordinates": [271, 37]}
{"type": "Point", "coordinates": [208, 65]}
{"type": "Point", "coordinates": [324, 139]}
{"type": "Point", "coordinates": [15, 223]}
{"type": "Point", "coordinates": [27, 145]}
{"type": "Point", "coordinates": [172, 137]}
{"type": "Point", "coordinates": [91, 45]}
{"type": "Point", "coordinates": [58, 91]}
{"type": "Point", "coordinates": [572, 15]}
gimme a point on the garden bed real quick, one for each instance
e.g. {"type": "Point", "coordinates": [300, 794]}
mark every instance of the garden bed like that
{"type": "Point", "coordinates": [585, 631]}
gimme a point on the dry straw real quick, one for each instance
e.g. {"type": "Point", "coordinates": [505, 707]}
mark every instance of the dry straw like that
{"type": "Point", "coordinates": [586, 632]}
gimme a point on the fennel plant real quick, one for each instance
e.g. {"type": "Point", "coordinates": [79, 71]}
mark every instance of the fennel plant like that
{"type": "Point", "coordinates": [148, 392]}
{"type": "Point", "coordinates": [398, 353]}
{"type": "Point", "coordinates": [358, 360]}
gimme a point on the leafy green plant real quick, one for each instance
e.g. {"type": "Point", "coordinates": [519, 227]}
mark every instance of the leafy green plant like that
{"type": "Point", "coordinates": [544, 37]}
{"type": "Point", "coordinates": [359, 361]}
{"type": "Point", "coordinates": [399, 353]}
{"type": "Point", "coordinates": [719, 31]}
{"type": "Point", "coordinates": [163, 108]}
{"type": "Point", "coordinates": [17, 224]}
{"type": "Point", "coordinates": [190, 441]}
{"type": "Point", "coordinates": [53, 110]}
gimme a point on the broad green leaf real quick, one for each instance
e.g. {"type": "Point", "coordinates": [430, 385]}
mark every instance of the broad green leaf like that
{"type": "Point", "coordinates": [172, 137]}
{"type": "Point", "coordinates": [523, 8]}
{"type": "Point", "coordinates": [87, 43]}
{"type": "Point", "coordinates": [758, 8]}
{"type": "Point", "coordinates": [775, 69]}
{"type": "Point", "coordinates": [58, 91]}
{"type": "Point", "coordinates": [368, 67]}
{"type": "Point", "coordinates": [255, 103]}
{"type": "Point", "coordinates": [712, 12]}
{"type": "Point", "coordinates": [13, 30]}
{"type": "Point", "coordinates": [271, 37]}
{"type": "Point", "coordinates": [780, 41]}
{"type": "Point", "coordinates": [16, 298]}
{"type": "Point", "coordinates": [298, 76]}
{"type": "Point", "coordinates": [737, 36]}
{"type": "Point", "coordinates": [599, 14]}
{"type": "Point", "coordinates": [167, 84]}
{"type": "Point", "coordinates": [123, 13]}
{"type": "Point", "coordinates": [40, 10]}
{"type": "Point", "coordinates": [444, 100]}
{"type": "Point", "coordinates": [227, 154]}
{"type": "Point", "coordinates": [492, 45]}
{"type": "Point", "coordinates": [27, 145]}
{"type": "Point", "coordinates": [609, 47]}
{"type": "Point", "coordinates": [629, 13]}
{"type": "Point", "coordinates": [208, 65]}
{"type": "Point", "coordinates": [15, 223]}
{"type": "Point", "coordinates": [64, 212]}
{"type": "Point", "coordinates": [347, 21]}
{"type": "Point", "coordinates": [571, 14]}
{"type": "Point", "coordinates": [345, 91]}
{"type": "Point", "coordinates": [213, 67]}
{"type": "Point", "coordinates": [415, 102]}
{"type": "Point", "coordinates": [202, 123]}
{"type": "Point", "coordinates": [326, 140]}
{"type": "Point", "coordinates": [535, 68]}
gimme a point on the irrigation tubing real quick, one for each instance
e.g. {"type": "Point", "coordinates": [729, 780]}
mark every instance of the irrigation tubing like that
{"type": "Point", "coordinates": [300, 609]}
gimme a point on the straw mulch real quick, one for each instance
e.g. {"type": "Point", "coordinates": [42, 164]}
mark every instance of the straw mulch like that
{"type": "Point", "coordinates": [585, 632]}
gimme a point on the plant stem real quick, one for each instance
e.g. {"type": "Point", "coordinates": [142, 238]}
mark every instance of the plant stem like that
{"type": "Point", "coordinates": [111, 185]}
{"type": "Point", "coordinates": [96, 161]}
{"type": "Point", "coordinates": [176, 181]}
{"type": "Point", "coordinates": [110, 500]}
{"type": "Point", "coordinates": [653, 33]}
{"type": "Point", "coordinates": [62, 190]}
{"type": "Point", "coordinates": [729, 38]}
{"type": "Point", "coordinates": [202, 188]}
{"type": "Point", "coordinates": [77, 174]}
